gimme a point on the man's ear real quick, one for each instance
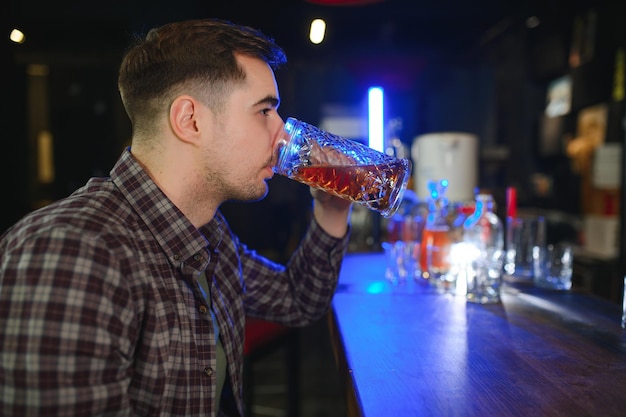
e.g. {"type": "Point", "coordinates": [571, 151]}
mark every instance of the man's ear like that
{"type": "Point", "coordinates": [183, 118]}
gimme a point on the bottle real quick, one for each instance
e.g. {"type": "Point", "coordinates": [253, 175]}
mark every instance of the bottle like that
{"type": "Point", "coordinates": [483, 238]}
{"type": "Point", "coordinates": [459, 212]}
{"type": "Point", "coordinates": [435, 246]}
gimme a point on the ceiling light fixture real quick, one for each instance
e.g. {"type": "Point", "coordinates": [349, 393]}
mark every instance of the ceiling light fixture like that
{"type": "Point", "coordinates": [17, 36]}
{"type": "Point", "coordinates": [317, 32]}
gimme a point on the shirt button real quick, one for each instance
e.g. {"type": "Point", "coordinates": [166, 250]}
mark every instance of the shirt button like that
{"type": "Point", "coordinates": [203, 309]}
{"type": "Point", "coordinates": [208, 371]}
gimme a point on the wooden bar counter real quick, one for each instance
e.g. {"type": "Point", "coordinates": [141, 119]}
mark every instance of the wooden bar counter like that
{"type": "Point", "coordinates": [407, 350]}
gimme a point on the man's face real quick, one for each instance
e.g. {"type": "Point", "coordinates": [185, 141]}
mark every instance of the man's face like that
{"type": "Point", "coordinates": [239, 155]}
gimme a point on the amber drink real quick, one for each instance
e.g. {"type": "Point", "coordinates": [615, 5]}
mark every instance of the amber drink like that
{"type": "Point", "coordinates": [435, 251]}
{"type": "Point", "coordinates": [343, 167]}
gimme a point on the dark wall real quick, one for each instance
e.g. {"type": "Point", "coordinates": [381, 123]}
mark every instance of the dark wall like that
{"type": "Point", "coordinates": [13, 163]}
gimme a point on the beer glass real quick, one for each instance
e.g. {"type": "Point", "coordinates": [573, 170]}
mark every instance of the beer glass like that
{"type": "Point", "coordinates": [343, 167]}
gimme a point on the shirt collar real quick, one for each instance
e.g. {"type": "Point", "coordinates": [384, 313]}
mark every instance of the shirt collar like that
{"type": "Point", "coordinates": [178, 238]}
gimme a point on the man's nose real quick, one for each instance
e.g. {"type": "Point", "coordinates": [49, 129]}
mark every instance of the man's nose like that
{"type": "Point", "coordinates": [280, 134]}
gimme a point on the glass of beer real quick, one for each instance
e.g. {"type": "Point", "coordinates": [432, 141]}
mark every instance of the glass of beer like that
{"type": "Point", "coordinates": [343, 167]}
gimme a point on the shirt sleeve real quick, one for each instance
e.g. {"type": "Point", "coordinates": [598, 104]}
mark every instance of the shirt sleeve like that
{"type": "Point", "coordinates": [66, 331]}
{"type": "Point", "coordinates": [300, 292]}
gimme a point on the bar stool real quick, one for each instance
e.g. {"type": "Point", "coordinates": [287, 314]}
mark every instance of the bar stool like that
{"type": "Point", "coordinates": [262, 338]}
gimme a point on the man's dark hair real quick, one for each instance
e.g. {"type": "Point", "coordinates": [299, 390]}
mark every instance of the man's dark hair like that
{"type": "Point", "coordinates": [194, 56]}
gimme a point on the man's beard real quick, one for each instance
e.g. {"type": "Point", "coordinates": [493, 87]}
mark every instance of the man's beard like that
{"type": "Point", "coordinates": [246, 191]}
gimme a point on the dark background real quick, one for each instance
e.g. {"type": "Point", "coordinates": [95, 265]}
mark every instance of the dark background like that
{"type": "Point", "coordinates": [472, 66]}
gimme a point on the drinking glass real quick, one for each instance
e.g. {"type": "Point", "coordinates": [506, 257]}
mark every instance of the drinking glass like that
{"type": "Point", "coordinates": [402, 263]}
{"type": "Point", "coordinates": [557, 267]}
{"type": "Point", "coordinates": [525, 239]}
{"type": "Point", "coordinates": [484, 277]}
{"type": "Point", "coordinates": [343, 167]}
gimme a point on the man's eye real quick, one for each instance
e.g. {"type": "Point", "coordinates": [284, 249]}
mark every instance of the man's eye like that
{"type": "Point", "coordinates": [266, 112]}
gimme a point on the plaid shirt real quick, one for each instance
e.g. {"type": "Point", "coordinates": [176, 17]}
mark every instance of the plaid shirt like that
{"type": "Point", "coordinates": [101, 312]}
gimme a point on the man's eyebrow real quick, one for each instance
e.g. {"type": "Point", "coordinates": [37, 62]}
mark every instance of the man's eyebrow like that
{"type": "Point", "coordinates": [271, 100]}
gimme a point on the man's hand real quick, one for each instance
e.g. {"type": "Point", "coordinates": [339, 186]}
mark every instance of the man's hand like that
{"type": "Point", "coordinates": [331, 213]}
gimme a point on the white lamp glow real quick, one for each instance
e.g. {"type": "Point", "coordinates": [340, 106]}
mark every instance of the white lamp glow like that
{"type": "Point", "coordinates": [317, 31]}
{"type": "Point", "coordinates": [17, 36]}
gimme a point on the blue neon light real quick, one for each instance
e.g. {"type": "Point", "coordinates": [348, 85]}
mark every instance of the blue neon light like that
{"type": "Point", "coordinates": [376, 128]}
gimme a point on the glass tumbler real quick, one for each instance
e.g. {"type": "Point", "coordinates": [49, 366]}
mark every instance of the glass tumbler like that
{"type": "Point", "coordinates": [557, 265]}
{"type": "Point", "coordinates": [525, 239]}
{"type": "Point", "coordinates": [343, 167]}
